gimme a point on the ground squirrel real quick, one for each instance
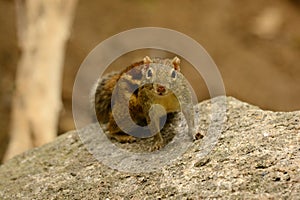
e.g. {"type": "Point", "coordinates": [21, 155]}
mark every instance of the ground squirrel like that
{"type": "Point", "coordinates": [137, 92]}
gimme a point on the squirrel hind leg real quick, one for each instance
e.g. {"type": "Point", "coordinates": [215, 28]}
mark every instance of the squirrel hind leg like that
{"type": "Point", "coordinates": [123, 138]}
{"type": "Point", "coordinates": [116, 133]}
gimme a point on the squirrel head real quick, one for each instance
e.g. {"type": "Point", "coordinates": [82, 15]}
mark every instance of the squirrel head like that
{"type": "Point", "coordinates": [162, 72]}
{"type": "Point", "coordinates": [157, 73]}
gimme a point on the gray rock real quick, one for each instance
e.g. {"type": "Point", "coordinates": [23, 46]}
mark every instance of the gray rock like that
{"type": "Point", "coordinates": [257, 156]}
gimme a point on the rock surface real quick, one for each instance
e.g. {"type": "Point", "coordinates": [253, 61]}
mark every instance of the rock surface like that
{"type": "Point", "coordinates": [257, 156]}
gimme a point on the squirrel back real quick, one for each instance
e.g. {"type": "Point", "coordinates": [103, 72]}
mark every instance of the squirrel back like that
{"type": "Point", "coordinates": [102, 92]}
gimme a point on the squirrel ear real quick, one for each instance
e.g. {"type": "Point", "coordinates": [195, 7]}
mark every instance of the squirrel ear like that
{"type": "Point", "coordinates": [147, 60]}
{"type": "Point", "coordinates": [176, 63]}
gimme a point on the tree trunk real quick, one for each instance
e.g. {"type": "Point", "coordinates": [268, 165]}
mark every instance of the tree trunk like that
{"type": "Point", "coordinates": [43, 28]}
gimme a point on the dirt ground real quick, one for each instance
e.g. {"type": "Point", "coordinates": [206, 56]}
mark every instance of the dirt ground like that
{"type": "Point", "coordinates": [255, 44]}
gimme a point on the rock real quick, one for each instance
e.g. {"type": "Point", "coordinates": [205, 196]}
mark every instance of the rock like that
{"type": "Point", "coordinates": [257, 156]}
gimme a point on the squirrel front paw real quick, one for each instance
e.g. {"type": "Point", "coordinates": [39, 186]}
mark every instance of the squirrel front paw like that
{"type": "Point", "coordinates": [156, 146]}
{"type": "Point", "coordinates": [158, 142]}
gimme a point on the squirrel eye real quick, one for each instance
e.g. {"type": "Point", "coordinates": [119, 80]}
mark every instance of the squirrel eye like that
{"type": "Point", "coordinates": [173, 74]}
{"type": "Point", "coordinates": [149, 73]}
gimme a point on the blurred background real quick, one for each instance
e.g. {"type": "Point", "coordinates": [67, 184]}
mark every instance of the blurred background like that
{"type": "Point", "coordinates": [255, 44]}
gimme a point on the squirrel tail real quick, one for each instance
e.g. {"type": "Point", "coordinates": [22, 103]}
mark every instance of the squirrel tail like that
{"type": "Point", "coordinates": [101, 96]}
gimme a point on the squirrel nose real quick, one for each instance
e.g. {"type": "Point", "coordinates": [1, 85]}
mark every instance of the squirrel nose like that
{"type": "Point", "coordinates": [161, 89]}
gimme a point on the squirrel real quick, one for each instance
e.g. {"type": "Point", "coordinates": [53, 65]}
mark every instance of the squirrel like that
{"type": "Point", "coordinates": [138, 92]}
